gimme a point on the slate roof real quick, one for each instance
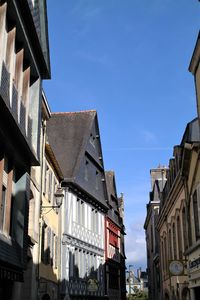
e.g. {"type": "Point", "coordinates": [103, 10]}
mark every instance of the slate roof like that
{"type": "Point", "coordinates": [68, 135]}
{"type": "Point", "coordinates": [39, 15]}
{"type": "Point", "coordinates": [36, 17]}
{"type": "Point", "coordinates": [113, 201]}
{"type": "Point", "coordinates": [110, 183]}
{"type": "Point", "coordinates": [191, 134]}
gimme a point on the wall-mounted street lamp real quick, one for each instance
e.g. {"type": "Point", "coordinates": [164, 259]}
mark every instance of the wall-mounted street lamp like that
{"type": "Point", "coordinates": [59, 195]}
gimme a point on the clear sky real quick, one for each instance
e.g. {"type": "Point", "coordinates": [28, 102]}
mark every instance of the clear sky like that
{"type": "Point", "coordinates": [128, 59]}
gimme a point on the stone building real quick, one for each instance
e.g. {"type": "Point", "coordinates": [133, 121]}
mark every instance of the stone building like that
{"type": "Point", "coordinates": [114, 235]}
{"type": "Point", "coordinates": [178, 220]}
{"type": "Point", "coordinates": [194, 221]}
{"type": "Point", "coordinates": [191, 209]}
{"type": "Point", "coordinates": [50, 227]}
{"type": "Point", "coordinates": [31, 274]}
{"type": "Point", "coordinates": [158, 180]}
{"type": "Point", "coordinates": [24, 63]}
{"type": "Point", "coordinates": [75, 140]}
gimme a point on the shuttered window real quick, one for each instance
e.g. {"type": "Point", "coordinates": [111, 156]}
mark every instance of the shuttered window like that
{"type": "Point", "coordinates": [196, 215]}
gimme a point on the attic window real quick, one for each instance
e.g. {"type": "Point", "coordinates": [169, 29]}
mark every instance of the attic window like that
{"type": "Point", "coordinates": [92, 140]}
{"type": "Point", "coordinates": [97, 180]}
{"type": "Point", "coordinates": [86, 170]}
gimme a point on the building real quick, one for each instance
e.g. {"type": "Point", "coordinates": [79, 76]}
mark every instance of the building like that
{"type": "Point", "coordinates": [31, 274]}
{"type": "Point", "coordinates": [143, 277]}
{"type": "Point", "coordinates": [75, 140]}
{"type": "Point", "coordinates": [24, 64]}
{"type": "Point", "coordinates": [114, 250]}
{"type": "Point", "coordinates": [176, 224]}
{"type": "Point", "coordinates": [132, 283]}
{"type": "Point", "coordinates": [122, 249]}
{"type": "Point", "coordinates": [50, 228]}
{"type": "Point", "coordinates": [158, 180]}
{"type": "Point", "coordinates": [191, 228]}
{"type": "Point", "coordinates": [194, 248]}
{"type": "Point", "coordinates": [136, 284]}
{"type": "Point", "coordinates": [170, 227]}
{"type": "Point", "coordinates": [194, 68]}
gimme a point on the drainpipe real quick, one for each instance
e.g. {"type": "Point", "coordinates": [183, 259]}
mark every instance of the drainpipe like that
{"type": "Point", "coordinates": [40, 212]}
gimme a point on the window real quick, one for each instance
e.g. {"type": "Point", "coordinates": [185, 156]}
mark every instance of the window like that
{"type": "Point", "coordinates": [45, 244]}
{"type": "Point", "coordinates": [6, 194]}
{"type": "Point", "coordinates": [52, 247]}
{"type": "Point", "coordinates": [18, 70]}
{"type": "Point", "coordinates": [185, 241]}
{"type": "Point", "coordinates": [165, 254]}
{"type": "Point", "coordinates": [80, 215]}
{"type": "Point", "coordinates": [10, 48]}
{"type": "Point", "coordinates": [92, 140]}
{"type": "Point", "coordinates": [152, 238]}
{"type": "Point", "coordinates": [113, 277]}
{"type": "Point", "coordinates": [46, 168]}
{"type": "Point", "coordinates": [76, 267]}
{"type": "Point", "coordinates": [2, 208]}
{"type": "Point", "coordinates": [174, 241]}
{"type": "Point", "coordinates": [170, 244]}
{"type": "Point", "coordinates": [196, 215]}
{"type": "Point", "coordinates": [56, 252]}
{"type": "Point", "coordinates": [97, 180]}
{"type": "Point", "coordinates": [86, 170]}
{"type": "Point", "coordinates": [179, 238]}
{"type": "Point", "coordinates": [49, 185]}
{"type": "Point", "coordinates": [26, 84]}
{"type": "Point", "coordinates": [162, 256]}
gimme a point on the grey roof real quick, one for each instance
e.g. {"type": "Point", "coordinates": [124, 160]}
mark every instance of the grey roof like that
{"type": "Point", "coordinates": [71, 136]}
{"type": "Point", "coordinates": [113, 201]}
{"type": "Point", "coordinates": [191, 134]}
{"type": "Point", "coordinates": [36, 15]}
{"type": "Point", "coordinates": [39, 14]}
{"type": "Point", "coordinates": [68, 135]}
{"type": "Point", "coordinates": [110, 183]}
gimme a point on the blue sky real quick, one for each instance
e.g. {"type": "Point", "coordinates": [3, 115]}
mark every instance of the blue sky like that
{"type": "Point", "coordinates": [128, 59]}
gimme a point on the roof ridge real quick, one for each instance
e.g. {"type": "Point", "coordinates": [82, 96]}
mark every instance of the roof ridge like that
{"type": "Point", "coordinates": [75, 112]}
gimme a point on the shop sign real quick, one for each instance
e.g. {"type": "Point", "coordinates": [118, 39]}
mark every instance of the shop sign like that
{"type": "Point", "coordinates": [194, 263]}
{"type": "Point", "coordinates": [9, 274]}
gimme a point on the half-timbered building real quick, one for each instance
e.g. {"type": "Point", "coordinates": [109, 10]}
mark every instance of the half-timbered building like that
{"type": "Point", "coordinates": [23, 64]}
{"type": "Point", "coordinates": [114, 236]}
{"type": "Point", "coordinates": [75, 140]}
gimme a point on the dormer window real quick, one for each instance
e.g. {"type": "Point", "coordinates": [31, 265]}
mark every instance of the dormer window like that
{"type": "Point", "coordinates": [92, 140]}
{"type": "Point", "coordinates": [86, 171]}
{"type": "Point", "coordinates": [97, 180]}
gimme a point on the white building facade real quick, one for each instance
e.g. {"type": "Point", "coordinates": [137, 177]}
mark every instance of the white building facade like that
{"type": "Point", "coordinates": [82, 251]}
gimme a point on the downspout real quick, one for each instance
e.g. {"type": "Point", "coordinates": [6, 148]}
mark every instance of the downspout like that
{"type": "Point", "coordinates": [40, 212]}
{"type": "Point", "coordinates": [63, 277]}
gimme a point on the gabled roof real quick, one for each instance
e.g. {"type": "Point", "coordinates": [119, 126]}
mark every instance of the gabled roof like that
{"type": "Point", "coordinates": [75, 140]}
{"type": "Point", "coordinates": [113, 200]}
{"type": "Point", "coordinates": [68, 134]}
{"type": "Point", "coordinates": [111, 185]}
